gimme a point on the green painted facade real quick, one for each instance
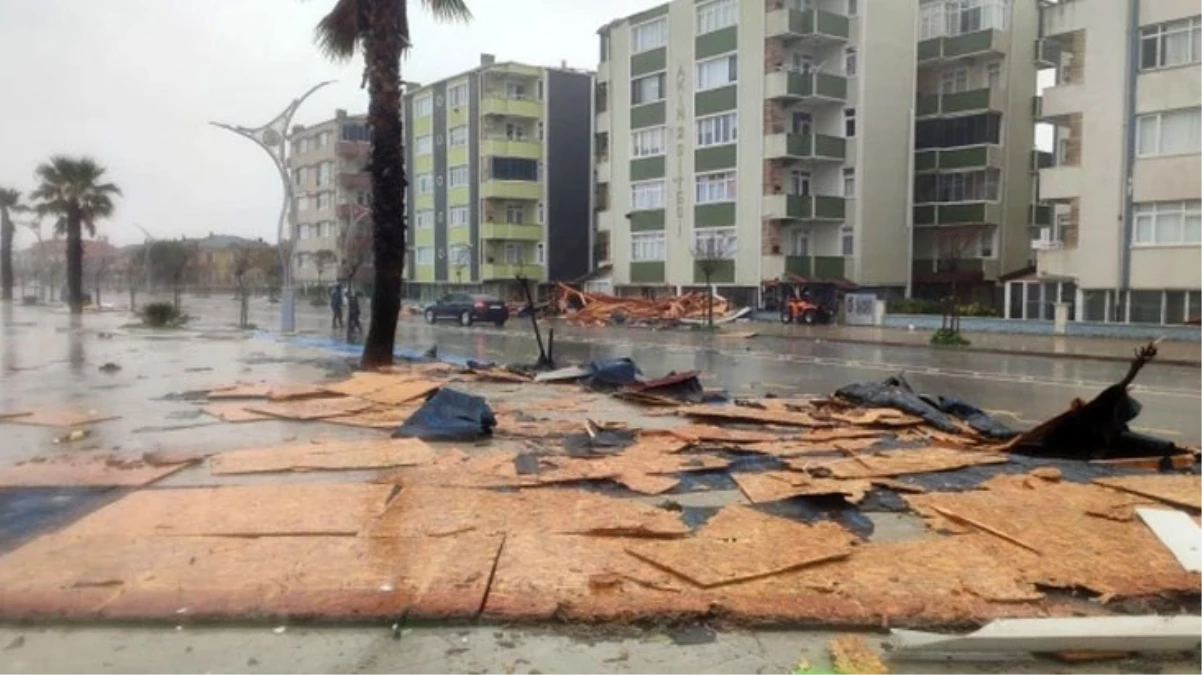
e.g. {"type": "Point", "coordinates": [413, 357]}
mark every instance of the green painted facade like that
{"type": "Point", "coordinates": [644, 221]}
{"type": "Point", "coordinates": [714, 215]}
{"type": "Point", "coordinates": [721, 271]}
{"type": "Point", "coordinates": [714, 101]}
{"type": "Point", "coordinates": [648, 115]}
{"type": "Point", "coordinates": [650, 61]}
{"type": "Point", "coordinates": [647, 272]}
{"type": "Point", "coordinates": [646, 168]}
{"type": "Point", "coordinates": [721, 41]}
{"type": "Point", "coordinates": [715, 158]}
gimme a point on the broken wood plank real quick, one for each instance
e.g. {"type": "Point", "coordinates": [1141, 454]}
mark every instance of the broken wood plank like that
{"type": "Point", "coordinates": [327, 456]}
{"type": "Point", "coordinates": [233, 413]}
{"type": "Point", "coordinates": [1124, 633]}
{"type": "Point", "coordinates": [240, 390]}
{"type": "Point", "coordinates": [851, 654]}
{"type": "Point", "coordinates": [96, 472]}
{"type": "Point", "coordinates": [747, 414]}
{"type": "Point", "coordinates": [58, 418]}
{"type": "Point", "coordinates": [772, 486]}
{"type": "Point", "coordinates": [709, 432]}
{"type": "Point", "coordinates": [402, 392]}
{"type": "Point", "coordinates": [313, 409]}
{"type": "Point", "coordinates": [902, 462]}
{"type": "Point", "coordinates": [1178, 532]}
{"type": "Point", "coordinates": [1178, 490]}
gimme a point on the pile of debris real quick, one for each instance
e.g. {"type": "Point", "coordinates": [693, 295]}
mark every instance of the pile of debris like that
{"type": "Point", "coordinates": [600, 309]}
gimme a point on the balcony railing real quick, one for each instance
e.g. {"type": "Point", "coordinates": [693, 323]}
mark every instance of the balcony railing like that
{"type": "Point", "coordinates": [806, 146]}
{"type": "Point", "coordinates": [511, 107]}
{"type": "Point", "coordinates": [806, 86]}
{"type": "Point", "coordinates": [511, 231]}
{"type": "Point", "coordinates": [808, 23]}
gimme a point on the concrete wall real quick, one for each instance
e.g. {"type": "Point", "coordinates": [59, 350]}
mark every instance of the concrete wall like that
{"type": "Point", "coordinates": [567, 149]}
{"type": "Point", "coordinates": [1018, 137]}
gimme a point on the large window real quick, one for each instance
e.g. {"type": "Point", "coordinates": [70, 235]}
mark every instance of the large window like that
{"type": "Point", "coordinates": [939, 18]}
{"type": "Point", "coordinates": [1170, 44]}
{"type": "Point", "coordinates": [423, 106]}
{"type": "Point", "coordinates": [715, 15]}
{"type": "Point", "coordinates": [849, 61]}
{"type": "Point", "coordinates": [514, 168]}
{"type": "Point", "coordinates": [424, 183]}
{"type": "Point", "coordinates": [458, 176]}
{"type": "Point", "coordinates": [967, 186]}
{"type": "Point", "coordinates": [649, 35]}
{"type": "Point", "coordinates": [717, 72]}
{"type": "Point", "coordinates": [646, 246]}
{"type": "Point", "coordinates": [458, 216]}
{"type": "Point", "coordinates": [715, 243]}
{"type": "Point", "coordinates": [718, 129]}
{"type": "Point", "coordinates": [799, 243]}
{"type": "Point", "coordinates": [716, 187]}
{"type": "Point", "coordinates": [325, 173]}
{"type": "Point", "coordinates": [423, 219]}
{"type": "Point", "coordinates": [952, 81]}
{"type": "Point", "coordinates": [647, 89]}
{"type": "Point", "coordinates": [515, 213]}
{"type": "Point", "coordinates": [648, 142]}
{"type": "Point", "coordinates": [647, 195]}
{"type": "Point", "coordinates": [457, 95]}
{"type": "Point", "coordinates": [849, 182]}
{"type": "Point", "coordinates": [324, 200]}
{"type": "Point", "coordinates": [423, 145]}
{"type": "Point", "coordinates": [849, 122]}
{"type": "Point", "coordinates": [951, 132]}
{"type": "Point", "coordinates": [1168, 223]}
{"type": "Point", "coordinates": [423, 255]}
{"type": "Point", "coordinates": [1175, 132]}
{"type": "Point", "coordinates": [457, 136]}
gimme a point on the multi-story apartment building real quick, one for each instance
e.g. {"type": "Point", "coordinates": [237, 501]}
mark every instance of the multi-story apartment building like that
{"type": "Point", "coordinates": [499, 164]}
{"type": "Point", "coordinates": [332, 192]}
{"type": "Point", "coordinates": [887, 143]}
{"type": "Point", "coordinates": [1126, 176]}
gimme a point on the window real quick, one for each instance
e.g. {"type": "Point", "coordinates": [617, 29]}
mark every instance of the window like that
{"type": "Point", "coordinates": [1175, 132]}
{"type": "Point", "coordinates": [515, 90]}
{"type": "Point", "coordinates": [540, 253]}
{"type": "Point", "coordinates": [799, 182]}
{"type": "Point", "coordinates": [847, 241]}
{"type": "Point", "coordinates": [993, 75]}
{"type": "Point", "coordinates": [800, 62]}
{"type": "Point", "coordinates": [540, 130]}
{"type": "Point", "coordinates": [985, 245]}
{"type": "Point", "coordinates": [853, 7]}
{"type": "Point", "coordinates": [457, 95]}
{"type": "Point", "coordinates": [515, 214]}
{"type": "Point", "coordinates": [300, 176]}
{"type": "Point", "coordinates": [649, 35]}
{"type": "Point", "coordinates": [716, 187]}
{"type": "Point", "coordinates": [457, 136]}
{"type": "Point", "coordinates": [953, 81]}
{"type": "Point", "coordinates": [849, 61]}
{"type": "Point", "coordinates": [939, 18]}
{"type": "Point", "coordinates": [325, 173]}
{"type": "Point", "coordinates": [513, 254]}
{"type": "Point", "coordinates": [1170, 44]}
{"type": "Point", "coordinates": [514, 132]}
{"type": "Point", "coordinates": [647, 195]}
{"type": "Point", "coordinates": [718, 129]}
{"type": "Point", "coordinates": [423, 145]}
{"type": "Point", "coordinates": [424, 255]}
{"type": "Point", "coordinates": [538, 89]}
{"type": "Point", "coordinates": [305, 232]}
{"type": "Point", "coordinates": [849, 182]}
{"type": "Point", "coordinates": [457, 216]}
{"type": "Point", "coordinates": [604, 47]}
{"type": "Point", "coordinates": [424, 183]}
{"type": "Point", "coordinates": [302, 203]}
{"type": "Point", "coordinates": [849, 122]}
{"type": "Point", "coordinates": [712, 16]}
{"type": "Point", "coordinates": [649, 142]}
{"type": "Point", "coordinates": [717, 72]}
{"type": "Point", "coordinates": [967, 186]}
{"type": "Point", "coordinates": [647, 89]}
{"type": "Point", "coordinates": [514, 168]}
{"type": "Point", "coordinates": [951, 132]}
{"type": "Point", "coordinates": [1168, 223]}
{"type": "Point", "coordinates": [712, 243]}
{"type": "Point", "coordinates": [355, 132]}
{"type": "Point", "coordinates": [647, 246]}
{"type": "Point", "coordinates": [539, 213]}
{"type": "Point", "coordinates": [799, 243]}
{"type": "Point", "coordinates": [458, 176]}
{"type": "Point", "coordinates": [423, 219]}
{"type": "Point", "coordinates": [324, 200]}
{"type": "Point", "coordinates": [423, 106]}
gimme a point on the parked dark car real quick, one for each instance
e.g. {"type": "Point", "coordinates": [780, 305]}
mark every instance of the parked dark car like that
{"type": "Point", "coordinates": [468, 308]}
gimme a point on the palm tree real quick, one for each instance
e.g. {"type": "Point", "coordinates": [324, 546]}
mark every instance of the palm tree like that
{"type": "Point", "coordinates": [72, 191]}
{"type": "Point", "coordinates": [10, 203]}
{"type": "Point", "coordinates": [381, 28]}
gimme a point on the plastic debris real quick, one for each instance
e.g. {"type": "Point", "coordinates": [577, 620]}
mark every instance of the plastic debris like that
{"type": "Point", "coordinates": [450, 415]}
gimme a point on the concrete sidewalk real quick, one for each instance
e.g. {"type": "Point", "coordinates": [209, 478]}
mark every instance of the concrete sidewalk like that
{"type": "Point", "coordinates": [1101, 349]}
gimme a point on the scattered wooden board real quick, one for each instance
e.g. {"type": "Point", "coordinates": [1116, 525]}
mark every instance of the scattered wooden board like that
{"type": "Point", "coordinates": [1178, 490]}
{"type": "Point", "coordinates": [298, 392]}
{"type": "Point", "coordinates": [328, 456]}
{"type": "Point", "coordinates": [234, 412]}
{"type": "Point", "coordinates": [57, 418]}
{"type": "Point", "coordinates": [375, 418]}
{"type": "Point", "coordinates": [902, 462]}
{"type": "Point", "coordinates": [402, 392]}
{"type": "Point", "coordinates": [709, 432]}
{"type": "Point", "coordinates": [361, 383]}
{"type": "Point", "coordinates": [748, 414]}
{"type": "Point", "coordinates": [1126, 633]}
{"type": "Point", "coordinates": [97, 472]}
{"type": "Point", "coordinates": [850, 654]}
{"type": "Point", "coordinates": [240, 390]}
{"type": "Point", "coordinates": [887, 417]}
{"type": "Point", "coordinates": [312, 409]}
{"type": "Point", "coordinates": [773, 486]}
{"type": "Point", "coordinates": [1178, 532]}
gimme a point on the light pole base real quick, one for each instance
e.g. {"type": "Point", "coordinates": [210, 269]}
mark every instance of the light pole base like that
{"type": "Point", "coordinates": [287, 310]}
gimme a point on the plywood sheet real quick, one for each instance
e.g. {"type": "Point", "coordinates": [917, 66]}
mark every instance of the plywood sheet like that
{"type": "Point", "coordinates": [902, 462]}
{"type": "Point", "coordinates": [313, 409]}
{"type": "Point", "coordinates": [457, 469]}
{"type": "Point", "coordinates": [239, 510]}
{"type": "Point", "coordinates": [1178, 490]}
{"type": "Point", "coordinates": [375, 418]}
{"type": "Point", "coordinates": [96, 472]}
{"type": "Point", "coordinates": [740, 543]}
{"type": "Point", "coordinates": [327, 456]}
{"type": "Point", "coordinates": [790, 448]}
{"type": "Point", "coordinates": [885, 417]}
{"type": "Point", "coordinates": [298, 392]}
{"type": "Point", "coordinates": [361, 383]}
{"type": "Point", "coordinates": [648, 484]}
{"type": "Point", "coordinates": [58, 418]}
{"type": "Point", "coordinates": [747, 414]}
{"type": "Point", "coordinates": [427, 511]}
{"type": "Point", "coordinates": [851, 654]}
{"type": "Point", "coordinates": [234, 412]}
{"type": "Point", "coordinates": [402, 392]}
{"type": "Point", "coordinates": [772, 486]}
{"type": "Point", "coordinates": [709, 432]}
{"type": "Point", "coordinates": [239, 390]}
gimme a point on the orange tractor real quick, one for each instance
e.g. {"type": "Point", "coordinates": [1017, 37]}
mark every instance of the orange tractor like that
{"type": "Point", "coordinates": [803, 301]}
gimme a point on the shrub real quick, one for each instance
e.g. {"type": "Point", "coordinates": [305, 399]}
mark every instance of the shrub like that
{"type": "Point", "coordinates": [161, 315]}
{"type": "Point", "coordinates": [914, 306]}
{"type": "Point", "coordinates": [946, 337]}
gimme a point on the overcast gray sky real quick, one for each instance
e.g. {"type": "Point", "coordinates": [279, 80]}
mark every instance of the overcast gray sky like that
{"type": "Point", "coordinates": [134, 83]}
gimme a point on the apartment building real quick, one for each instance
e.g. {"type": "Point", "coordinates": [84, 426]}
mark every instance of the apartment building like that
{"type": "Point", "coordinates": [499, 178]}
{"type": "Point", "coordinates": [885, 143]}
{"type": "Point", "coordinates": [332, 192]}
{"type": "Point", "coordinates": [1125, 177]}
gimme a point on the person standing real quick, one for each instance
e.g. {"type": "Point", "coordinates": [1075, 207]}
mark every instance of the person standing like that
{"type": "Point", "coordinates": [353, 328]}
{"type": "Point", "coordinates": [336, 305]}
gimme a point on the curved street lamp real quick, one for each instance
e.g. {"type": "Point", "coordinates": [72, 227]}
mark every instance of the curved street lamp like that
{"type": "Point", "coordinates": [273, 138]}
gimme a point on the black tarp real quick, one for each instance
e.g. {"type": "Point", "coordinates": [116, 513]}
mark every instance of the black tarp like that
{"type": "Point", "coordinates": [610, 374]}
{"type": "Point", "coordinates": [939, 412]}
{"type": "Point", "coordinates": [449, 415]}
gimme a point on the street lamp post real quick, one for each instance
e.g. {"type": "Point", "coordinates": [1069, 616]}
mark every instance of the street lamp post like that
{"type": "Point", "coordinates": [273, 138]}
{"type": "Point", "coordinates": [145, 258]}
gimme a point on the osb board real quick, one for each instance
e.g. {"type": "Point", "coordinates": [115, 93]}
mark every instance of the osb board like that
{"type": "Point", "coordinates": [328, 456]}
{"type": "Point", "coordinates": [709, 432]}
{"type": "Point", "coordinates": [402, 392]}
{"type": "Point", "coordinates": [739, 544]}
{"type": "Point", "coordinates": [1045, 532]}
{"type": "Point", "coordinates": [634, 466]}
{"type": "Point", "coordinates": [359, 384]}
{"type": "Point", "coordinates": [511, 426]}
{"type": "Point", "coordinates": [647, 484]}
{"type": "Point", "coordinates": [457, 469]}
{"type": "Point", "coordinates": [298, 392]}
{"type": "Point", "coordinates": [233, 412]}
{"type": "Point", "coordinates": [239, 510]}
{"type": "Point", "coordinates": [885, 417]}
{"type": "Point", "coordinates": [772, 486]}
{"type": "Point", "coordinates": [58, 418]}
{"type": "Point", "coordinates": [789, 448]}
{"type": "Point", "coordinates": [239, 390]}
{"type": "Point", "coordinates": [844, 433]}
{"type": "Point", "coordinates": [375, 418]}
{"type": "Point", "coordinates": [1178, 490]}
{"type": "Point", "coordinates": [902, 462]}
{"type": "Point", "coordinates": [747, 414]}
{"type": "Point", "coordinates": [247, 578]}
{"type": "Point", "coordinates": [444, 512]}
{"type": "Point", "coordinates": [851, 654]}
{"type": "Point", "coordinates": [312, 409]}
{"type": "Point", "coordinates": [94, 472]}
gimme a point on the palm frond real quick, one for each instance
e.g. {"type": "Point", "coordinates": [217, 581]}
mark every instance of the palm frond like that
{"type": "Point", "coordinates": [337, 34]}
{"type": "Point", "coordinates": [448, 10]}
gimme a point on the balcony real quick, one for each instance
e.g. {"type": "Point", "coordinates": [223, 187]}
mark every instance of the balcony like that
{"type": "Point", "coordinates": [359, 180]}
{"type": "Point", "coordinates": [958, 213]}
{"type": "Point", "coordinates": [946, 49]}
{"type": "Point", "coordinates": [816, 267]}
{"type": "Point", "coordinates": [804, 207]}
{"type": "Point", "coordinates": [1062, 100]}
{"type": "Point", "coordinates": [1047, 53]}
{"type": "Point", "coordinates": [512, 231]}
{"type": "Point", "coordinates": [947, 270]}
{"type": "Point", "coordinates": [1046, 245]}
{"type": "Point", "coordinates": [511, 107]}
{"type": "Point", "coordinates": [1042, 160]}
{"type": "Point", "coordinates": [510, 271]}
{"type": "Point", "coordinates": [792, 23]}
{"type": "Point", "coordinates": [974, 157]}
{"type": "Point", "coordinates": [811, 88]}
{"type": "Point", "coordinates": [505, 147]}
{"type": "Point", "coordinates": [511, 189]}
{"type": "Point", "coordinates": [352, 149]}
{"type": "Point", "coordinates": [961, 102]}
{"type": "Point", "coordinates": [1060, 183]}
{"type": "Point", "coordinates": [1040, 215]}
{"type": "Point", "coordinates": [817, 147]}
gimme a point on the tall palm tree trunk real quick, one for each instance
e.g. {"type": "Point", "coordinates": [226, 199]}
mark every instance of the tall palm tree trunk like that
{"type": "Point", "coordinates": [74, 262]}
{"type": "Point", "coordinates": [6, 256]}
{"type": "Point", "coordinates": [383, 56]}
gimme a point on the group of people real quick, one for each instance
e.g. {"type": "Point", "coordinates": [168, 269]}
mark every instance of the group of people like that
{"type": "Point", "coordinates": [353, 327]}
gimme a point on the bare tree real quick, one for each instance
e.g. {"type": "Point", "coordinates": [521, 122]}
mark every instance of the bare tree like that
{"type": "Point", "coordinates": [99, 265]}
{"type": "Point", "coordinates": [711, 251]}
{"type": "Point", "coordinates": [460, 257]}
